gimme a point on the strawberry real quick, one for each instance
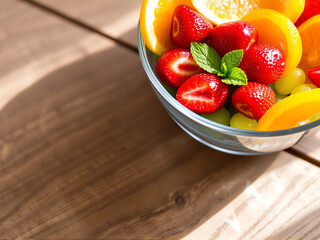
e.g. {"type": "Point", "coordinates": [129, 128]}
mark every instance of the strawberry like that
{"type": "Point", "coordinates": [263, 63]}
{"type": "Point", "coordinates": [314, 76]}
{"type": "Point", "coordinates": [253, 100]}
{"type": "Point", "coordinates": [175, 66]}
{"type": "Point", "coordinates": [189, 26]}
{"type": "Point", "coordinates": [203, 93]}
{"type": "Point", "coordinates": [233, 36]}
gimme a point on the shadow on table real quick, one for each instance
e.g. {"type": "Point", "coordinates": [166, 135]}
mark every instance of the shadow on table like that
{"type": "Point", "coordinates": [88, 151]}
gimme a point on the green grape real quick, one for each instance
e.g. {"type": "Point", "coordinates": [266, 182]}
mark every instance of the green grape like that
{"type": "Point", "coordinates": [172, 91]}
{"type": "Point", "coordinates": [303, 88]}
{"type": "Point", "coordinates": [242, 122]}
{"type": "Point", "coordinates": [286, 84]}
{"type": "Point", "coordinates": [221, 116]}
{"type": "Point", "coordinates": [279, 96]}
{"type": "Point", "coordinates": [314, 118]}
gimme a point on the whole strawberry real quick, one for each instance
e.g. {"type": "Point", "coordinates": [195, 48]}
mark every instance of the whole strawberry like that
{"type": "Point", "coordinates": [253, 100]}
{"type": "Point", "coordinates": [203, 93]}
{"type": "Point", "coordinates": [189, 26]}
{"type": "Point", "coordinates": [233, 36]}
{"type": "Point", "coordinates": [175, 66]}
{"type": "Point", "coordinates": [263, 63]}
{"type": "Point", "coordinates": [314, 76]}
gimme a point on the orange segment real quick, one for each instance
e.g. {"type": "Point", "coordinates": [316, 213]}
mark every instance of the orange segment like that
{"type": "Point", "coordinates": [232, 10]}
{"type": "Point", "coordinates": [155, 23]}
{"type": "Point", "coordinates": [292, 111]}
{"type": "Point", "coordinates": [310, 36]}
{"type": "Point", "coordinates": [278, 31]}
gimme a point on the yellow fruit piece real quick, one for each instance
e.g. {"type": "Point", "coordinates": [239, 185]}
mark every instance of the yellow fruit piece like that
{"type": "Point", "coordinates": [278, 31]}
{"type": "Point", "coordinates": [292, 111]}
{"type": "Point", "coordinates": [232, 10]}
{"type": "Point", "coordinates": [303, 88]}
{"type": "Point", "coordinates": [310, 36]}
{"type": "Point", "coordinates": [155, 23]}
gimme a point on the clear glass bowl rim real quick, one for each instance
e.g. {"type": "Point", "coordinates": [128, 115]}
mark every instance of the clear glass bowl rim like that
{"type": "Point", "coordinates": [201, 120]}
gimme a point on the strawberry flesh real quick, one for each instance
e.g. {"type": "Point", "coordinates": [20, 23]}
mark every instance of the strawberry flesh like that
{"type": "Point", "coordinates": [314, 76]}
{"type": "Point", "coordinates": [175, 66]}
{"type": "Point", "coordinates": [233, 36]}
{"type": "Point", "coordinates": [263, 63]}
{"type": "Point", "coordinates": [253, 100]}
{"type": "Point", "coordinates": [203, 93]}
{"type": "Point", "coordinates": [189, 26]}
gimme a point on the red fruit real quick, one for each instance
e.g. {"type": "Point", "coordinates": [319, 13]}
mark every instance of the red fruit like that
{"type": "Point", "coordinates": [233, 36]}
{"type": "Point", "coordinates": [253, 100]}
{"type": "Point", "coordinates": [203, 93]}
{"type": "Point", "coordinates": [314, 76]}
{"type": "Point", "coordinates": [189, 26]}
{"type": "Point", "coordinates": [175, 66]}
{"type": "Point", "coordinates": [263, 63]}
{"type": "Point", "coordinates": [312, 8]}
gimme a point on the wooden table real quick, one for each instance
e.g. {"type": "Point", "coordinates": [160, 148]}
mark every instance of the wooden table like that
{"type": "Point", "coordinates": [87, 151]}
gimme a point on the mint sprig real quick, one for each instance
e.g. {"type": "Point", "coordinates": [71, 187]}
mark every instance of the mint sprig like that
{"type": "Point", "coordinates": [226, 68]}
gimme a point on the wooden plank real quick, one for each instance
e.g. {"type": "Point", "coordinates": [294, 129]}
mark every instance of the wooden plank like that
{"type": "Point", "coordinates": [86, 151]}
{"type": "Point", "coordinates": [310, 146]}
{"type": "Point", "coordinates": [117, 18]}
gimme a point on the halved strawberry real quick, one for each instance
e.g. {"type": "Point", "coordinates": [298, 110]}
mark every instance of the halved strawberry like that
{"type": "Point", "coordinates": [189, 26]}
{"type": "Point", "coordinates": [203, 93]}
{"type": "Point", "coordinates": [253, 100]}
{"type": "Point", "coordinates": [175, 66]}
{"type": "Point", "coordinates": [314, 76]}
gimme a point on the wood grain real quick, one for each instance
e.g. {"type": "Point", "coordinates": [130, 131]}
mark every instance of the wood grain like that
{"type": "Point", "coordinates": [117, 18]}
{"type": "Point", "coordinates": [310, 147]}
{"type": "Point", "coordinates": [87, 152]}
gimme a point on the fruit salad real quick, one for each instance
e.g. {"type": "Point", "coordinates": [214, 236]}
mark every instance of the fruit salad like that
{"type": "Point", "coordinates": [243, 64]}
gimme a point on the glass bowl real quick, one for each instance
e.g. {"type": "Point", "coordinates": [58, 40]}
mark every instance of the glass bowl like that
{"type": "Point", "coordinates": [215, 135]}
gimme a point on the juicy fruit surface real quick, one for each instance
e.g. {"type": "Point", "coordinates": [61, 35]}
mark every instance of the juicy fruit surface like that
{"type": "Point", "coordinates": [253, 100]}
{"type": "Point", "coordinates": [232, 10]}
{"type": "Point", "coordinates": [189, 26]}
{"type": "Point", "coordinates": [175, 66]}
{"type": "Point", "coordinates": [310, 36]}
{"type": "Point", "coordinates": [303, 88]}
{"type": "Point", "coordinates": [240, 121]}
{"type": "Point", "coordinates": [221, 116]}
{"type": "Point", "coordinates": [263, 63]}
{"type": "Point", "coordinates": [278, 31]}
{"type": "Point", "coordinates": [203, 93]}
{"type": "Point", "coordinates": [155, 23]}
{"type": "Point", "coordinates": [312, 8]}
{"type": "Point", "coordinates": [286, 84]}
{"type": "Point", "coordinates": [291, 111]}
{"type": "Point", "coordinates": [314, 76]}
{"type": "Point", "coordinates": [233, 36]}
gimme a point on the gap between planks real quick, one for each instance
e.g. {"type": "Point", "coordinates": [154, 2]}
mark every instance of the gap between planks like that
{"type": "Point", "coordinates": [80, 24]}
{"type": "Point", "coordinates": [130, 47]}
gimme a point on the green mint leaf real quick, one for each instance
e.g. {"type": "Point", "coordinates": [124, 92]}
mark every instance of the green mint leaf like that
{"type": "Point", "coordinates": [206, 57]}
{"type": "Point", "coordinates": [232, 59]}
{"type": "Point", "coordinates": [236, 76]}
{"type": "Point", "coordinates": [224, 69]}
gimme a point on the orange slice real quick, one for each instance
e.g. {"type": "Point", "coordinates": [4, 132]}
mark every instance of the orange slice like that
{"type": "Point", "coordinates": [310, 36]}
{"type": "Point", "coordinates": [292, 111]}
{"type": "Point", "coordinates": [278, 31]}
{"type": "Point", "coordinates": [232, 10]}
{"type": "Point", "coordinates": [155, 23]}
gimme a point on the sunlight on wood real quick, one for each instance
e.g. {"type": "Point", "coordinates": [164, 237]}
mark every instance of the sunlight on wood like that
{"type": "Point", "coordinates": [256, 213]}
